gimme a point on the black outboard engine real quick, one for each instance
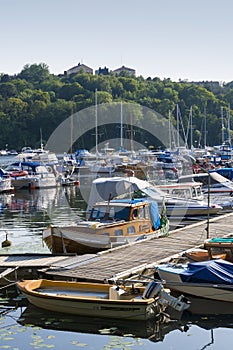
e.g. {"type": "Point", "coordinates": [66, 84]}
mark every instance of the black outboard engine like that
{"type": "Point", "coordinates": [152, 290]}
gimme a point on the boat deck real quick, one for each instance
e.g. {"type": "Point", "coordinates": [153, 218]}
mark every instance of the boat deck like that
{"type": "Point", "coordinates": [117, 263]}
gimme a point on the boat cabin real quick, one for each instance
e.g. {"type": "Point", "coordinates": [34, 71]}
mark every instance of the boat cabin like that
{"type": "Point", "coordinates": [118, 211]}
{"type": "Point", "coordinates": [189, 190]}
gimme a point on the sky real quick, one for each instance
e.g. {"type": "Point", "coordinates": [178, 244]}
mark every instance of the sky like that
{"type": "Point", "coordinates": [177, 39]}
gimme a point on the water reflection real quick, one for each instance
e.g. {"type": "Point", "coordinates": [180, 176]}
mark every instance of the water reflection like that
{"type": "Point", "coordinates": [153, 330]}
{"type": "Point", "coordinates": [24, 215]}
{"type": "Point", "coordinates": [47, 320]}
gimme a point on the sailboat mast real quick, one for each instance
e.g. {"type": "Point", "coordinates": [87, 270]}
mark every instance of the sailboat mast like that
{"type": "Point", "coordinates": [222, 125]}
{"type": "Point", "coordinates": [96, 124]}
{"type": "Point", "coordinates": [204, 127]}
{"type": "Point", "coordinates": [121, 146]}
{"type": "Point", "coordinates": [191, 127]}
{"type": "Point", "coordinates": [41, 141]}
{"type": "Point", "coordinates": [71, 133]}
{"type": "Point", "coordinates": [177, 126]}
{"type": "Point", "coordinates": [131, 133]}
{"type": "Point", "coordinates": [169, 130]}
{"type": "Point", "coordinates": [229, 124]}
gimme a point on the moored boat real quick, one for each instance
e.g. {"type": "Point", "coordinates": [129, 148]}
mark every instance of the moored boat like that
{"type": "Point", "coordinates": [111, 224]}
{"type": "Point", "coordinates": [220, 245]}
{"type": "Point", "coordinates": [199, 254]}
{"type": "Point", "coordinates": [31, 175]}
{"type": "Point", "coordinates": [132, 186]}
{"type": "Point", "coordinates": [211, 279]}
{"type": "Point", "coordinates": [90, 299]}
{"type": "Point", "coordinates": [5, 182]}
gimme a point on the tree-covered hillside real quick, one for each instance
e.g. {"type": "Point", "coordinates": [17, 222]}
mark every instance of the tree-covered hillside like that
{"type": "Point", "coordinates": [35, 100]}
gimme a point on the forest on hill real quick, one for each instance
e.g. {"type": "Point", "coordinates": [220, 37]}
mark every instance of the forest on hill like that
{"type": "Point", "coordinates": [36, 100]}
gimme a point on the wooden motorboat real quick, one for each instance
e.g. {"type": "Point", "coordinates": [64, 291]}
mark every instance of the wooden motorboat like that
{"type": "Point", "coordinates": [211, 279]}
{"type": "Point", "coordinates": [132, 302]}
{"type": "Point", "coordinates": [90, 299]}
{"type": "Point", "coordinates": [199, 254]}
{"type": "Point", "coordinates": [111, 224]}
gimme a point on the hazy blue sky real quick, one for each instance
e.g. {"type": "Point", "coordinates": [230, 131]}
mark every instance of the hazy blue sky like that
{"type": "Point", "coordinates": [177, 39]}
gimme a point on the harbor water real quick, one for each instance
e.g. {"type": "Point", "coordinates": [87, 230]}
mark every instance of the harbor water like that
{"type": "Point", "coordinates": [23, 215]}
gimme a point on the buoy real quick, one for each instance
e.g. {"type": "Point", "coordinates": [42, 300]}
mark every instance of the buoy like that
{"type": "Point", "coordinates": [6, 243]}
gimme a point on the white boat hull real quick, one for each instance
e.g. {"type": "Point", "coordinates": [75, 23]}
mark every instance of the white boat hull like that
{"type": "Point", "coordinates": [5, 185]}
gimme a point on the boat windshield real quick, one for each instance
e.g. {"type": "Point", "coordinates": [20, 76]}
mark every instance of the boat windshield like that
{"type": "Point", "coordinates": [110, 212]}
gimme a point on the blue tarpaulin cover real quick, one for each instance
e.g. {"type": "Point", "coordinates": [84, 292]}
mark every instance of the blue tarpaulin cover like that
{"type": "Point", "coordinates": [154, 212]}
{"type": "Point", "coordinates": [211, 271]}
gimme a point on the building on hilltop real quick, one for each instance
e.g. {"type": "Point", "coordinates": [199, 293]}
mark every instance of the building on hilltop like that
{"type": "Point", "coordinates": [80, 68]}
{"type": "Point", "coordinates": [125, 69]}
{"type": "Point", "coordinates": [104, 71]}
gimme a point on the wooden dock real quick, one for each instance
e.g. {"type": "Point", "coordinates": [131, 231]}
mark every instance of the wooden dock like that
{"type": "Point", "coordinates": [14, 267]}
{"type": "Point", "coordinates": [117, 263]}
{"type": "Point", "coordinates": [134, 258]}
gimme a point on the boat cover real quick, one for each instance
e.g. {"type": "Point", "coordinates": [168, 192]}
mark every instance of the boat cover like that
{"type": "Point", "coordinates": [154, 213]}
{"type": "Point", "coordinates": [211, 271]}
{"type": "Point", "coordinates": [103, 188]}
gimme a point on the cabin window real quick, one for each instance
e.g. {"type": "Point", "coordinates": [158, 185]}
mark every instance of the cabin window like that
{"type": "Point", "coordinates": [118, 232]}
{"type": "Point", "coordinates": [105, 234]}
{"type": "Point", "coordinates": [141, 213]}
{"type": "Point", "coordinates": [131, 230]}
{"type": "Point", "coordinates": [122, 213]}
{"type": "Point", "coordinates": [135, 214]}
{"type": "Point", "coordinates": [111, 213]}
{"type": "Point", "coordinates": [147, 213]}
{"type": "Point", "coordinates": [98, 213]}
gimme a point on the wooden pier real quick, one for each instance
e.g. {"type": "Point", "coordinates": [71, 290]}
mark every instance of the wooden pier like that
{"type": "Point", "coordinates": [134, 258]}
{"type": "Point", "coordinates": [117, 263]}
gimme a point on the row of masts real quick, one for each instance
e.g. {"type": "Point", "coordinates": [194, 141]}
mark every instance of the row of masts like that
{"type": "Point", "coordinates": [225, 129]}
{"type": "Point", "coordinates": [225, 118]}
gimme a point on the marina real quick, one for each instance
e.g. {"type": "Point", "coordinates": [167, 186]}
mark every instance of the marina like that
{"type": "Point", "coordinates": [121, 262]}
{"type": "Point", "coordinates": [25, 214]}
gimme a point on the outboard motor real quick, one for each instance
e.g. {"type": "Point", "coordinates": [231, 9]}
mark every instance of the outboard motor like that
{"type": "Point", "coordinates": [152, 290]}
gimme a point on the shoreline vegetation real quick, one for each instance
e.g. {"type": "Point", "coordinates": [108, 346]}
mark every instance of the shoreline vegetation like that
{"type": "Point", "coordinates": [35, 100]}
